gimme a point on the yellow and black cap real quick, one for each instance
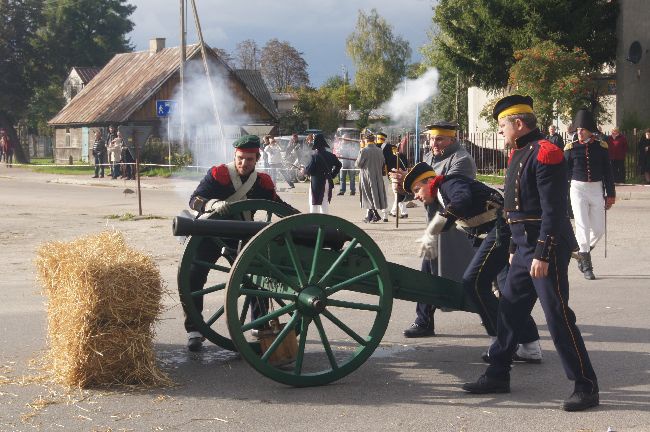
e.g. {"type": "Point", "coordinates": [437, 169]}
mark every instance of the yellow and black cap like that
{"type": "Point", "coordinates": [443, 128]}
{"type": "Point", "coordinates": [512, 105]}
{"type": "Point", "coordinates": [419, 172]}
{"type": "Point", "coordinates": [381, 138]}
{"type": "Point", "coordinates": [248, 144]}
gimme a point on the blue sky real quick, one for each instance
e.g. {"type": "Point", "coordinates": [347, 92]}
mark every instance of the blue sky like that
{"type": "Point", "coordinates": [317, 28]}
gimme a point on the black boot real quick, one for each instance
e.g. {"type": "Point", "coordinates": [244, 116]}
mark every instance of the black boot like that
{"type": "Point", "coordinates": [376, 217]}
{"type": "Point", "coordinates": [370, 216]}
{"type": "Point", "coordinates": [579, 401]}
{"type": "Point", "coordinates": [586, 267]}
{"type": "Point", "coordinates": [486, 384]}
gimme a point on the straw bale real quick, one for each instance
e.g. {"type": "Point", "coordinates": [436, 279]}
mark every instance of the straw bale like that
{"type": "Point", "coordinates": [103, 300]}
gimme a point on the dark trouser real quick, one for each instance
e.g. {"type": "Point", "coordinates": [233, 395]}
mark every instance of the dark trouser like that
{"type": "Point", "coordinates": [129, 167]}
{"type": "Point", "coordinates": [517, 300]}
{"type": "Point", "coordinates": [344, 175]}
{"type": "Point", "coordinates": [490, 262]}
{"type": "Point", "coordinates": [618, 169]}
{"type": "Point", "coordinates": [115, 169]}
{"type": "Point", "coordinates": [208, 252]}
{"type": "Point", "coordinates": [424, 312]}
{"type": "Point", "coordinates": [99, 165]}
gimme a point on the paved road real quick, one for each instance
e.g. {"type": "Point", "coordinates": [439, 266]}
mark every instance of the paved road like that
{"type": "Point", "coordinates": [406, 385]}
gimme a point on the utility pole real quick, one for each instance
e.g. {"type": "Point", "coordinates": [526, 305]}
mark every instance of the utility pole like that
{"type": "Point", "coordinates": [182, 77]}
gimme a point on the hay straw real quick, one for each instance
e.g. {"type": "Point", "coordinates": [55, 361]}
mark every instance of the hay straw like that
{"type": "Point", "coordinates": [103, 300]}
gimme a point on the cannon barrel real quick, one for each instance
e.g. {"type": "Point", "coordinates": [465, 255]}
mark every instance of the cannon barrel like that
{"type": "Point", "coordinates": [243, 230]}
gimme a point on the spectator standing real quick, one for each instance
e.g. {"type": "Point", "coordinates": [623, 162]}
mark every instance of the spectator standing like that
{"type": "Point", "coordinates": [396, 160]}
{"type": "Point", "coordinates": [6, 147]}
{"type": "Point", "coordinates": [99, 152]}
{"type": "Point", "coordinates": [644, 148]}
{"type": "Point", "coordinates": [372, 189]}
{"type": "Point", "coordinates": [274, 157]}
{"type": "Point", "coordinates": [322, 167]}
{"type": "Point", "coordinates": [554, 137]}
{"type": "Point", "coordinates": [348, 152]}
{"type": "Point", "coordinates": [110, 136]}
{"type": "Point", "coordinates": [115, 154]}
{"type": "Point", "coordinates": [589, 171]}
{"type": "Point", "coordinates": [265, 158]}
{"type": "Point", "coordinates": [128, 161]}
{"type": "Point", "coordinates": [617, 146]}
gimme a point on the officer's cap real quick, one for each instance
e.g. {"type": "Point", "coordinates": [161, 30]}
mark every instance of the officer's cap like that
{"type": "Point", "coordinates": [584, 119]}
{"type": "Point", "coordinates": [512, 105]}
{"type": "Point", "coordinates": [248, 144]}
{"type": "Point", "coordinates": [381, 137]}
{"type": "Point", "coordinates": [418, 173]}
{"type": "Point", "coordinates": [443, 128]}
{"type": "Point", "coordinates": [370, 137]}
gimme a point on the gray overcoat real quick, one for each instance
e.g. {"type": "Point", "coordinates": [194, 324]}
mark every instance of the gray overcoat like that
{"type": "Point", "coordinates": [373, 191]}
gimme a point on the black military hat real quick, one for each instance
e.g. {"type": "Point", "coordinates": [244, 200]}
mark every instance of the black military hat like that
{"type": "Point", "coordinates": [512, 105]}
{"type": "Point", "coordinates": [442, 127]}
{"type": "Point", "coordinates": [418, 173]}
{"type": "Point", "coordinates": [319, 141]}
{"type": "Point", "coordinates": [247, 143]}
{"type": "Point", "coordinates": [370, 137]}
{"type": "Point", "coordinates": [584, 119]}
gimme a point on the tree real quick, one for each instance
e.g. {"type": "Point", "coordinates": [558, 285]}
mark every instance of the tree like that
{"type": "Point", "coordinates": [225, 56]}
{"type": "Point", "coordinates": [479, 37]}
{"type": "Point", "coordinates": [18, 62]}
{"type": "Point", "coordinates": [283, 67]}
{"type": "Point", "coordinates": [558, 80]}
{"type": "Point", "coordinates": [380, 58]}
{"type": "Point", "coordinates": [247, 55]}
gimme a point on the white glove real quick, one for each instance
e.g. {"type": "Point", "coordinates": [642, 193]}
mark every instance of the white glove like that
{"type": "Point", "coordinates": [428, 246]}
{"type": "Point", "coordinates": [215, 206]}
{"type": "Point", "coordinates": [436, 225]}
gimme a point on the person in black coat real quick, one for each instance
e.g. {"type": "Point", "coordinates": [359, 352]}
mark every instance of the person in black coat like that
{"type": "Point", "coordinates": [323, 166]}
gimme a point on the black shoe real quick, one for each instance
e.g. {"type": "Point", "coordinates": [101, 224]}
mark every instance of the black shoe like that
{"type": "Point", "coordinates": [353, 193]}
{"type": "Point", "coordinates": [486, 384]}
{"type": "Point", "coordinates": [416, 331]}
{"type": "Point", "coordinates": [589, 274]}
{"type": "Point", "coordinates": [291, 186]}
{"type": "Point", "coordinates": [95, 176]}
{"type": "Point", "coordinates": [579, 401]}
{"type": "Point", "coordinates": [485, 357]}
{"type": "Point", "coordinates": [195, 344]}
{"type": "Point", "coordinates": [341, 193]}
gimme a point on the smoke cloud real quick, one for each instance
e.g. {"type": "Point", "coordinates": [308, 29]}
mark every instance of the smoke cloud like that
{"type": "Point", "coordinates": [402, 104]}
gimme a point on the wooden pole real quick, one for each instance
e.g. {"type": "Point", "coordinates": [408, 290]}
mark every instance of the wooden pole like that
{"type": "Point", "coordinates": [182, 77]}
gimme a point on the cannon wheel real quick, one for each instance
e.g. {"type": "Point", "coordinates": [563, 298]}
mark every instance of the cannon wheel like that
{"type": "Point", "coordinates": [310, 294]}
{"type": "Point", "coordinates": [209, 327]}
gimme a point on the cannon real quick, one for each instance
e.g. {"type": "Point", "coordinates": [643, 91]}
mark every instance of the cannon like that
{"type": "Point", "coordinates": [321, 274]}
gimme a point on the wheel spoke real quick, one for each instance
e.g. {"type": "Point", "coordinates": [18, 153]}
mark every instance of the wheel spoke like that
{"type": "Point", "coordinates": [244, 310]}
{"type": "Point", "coordinates": [280, 337]}
{"type": "Point", "coordinates": [204, 291]}
{"type": "Point", "coordinates": [277, 273]}
{"type": "Point", "coordinates": [339, 286]}
{"type": "Point", "coordinates": [267, 294]}
{"type": "Point", "coordinates": [338, 261]}
{"type": "Point", "coordinates": [345, 328]}
{"type": "Point", "coordinates": [217, 241]}
{"type": "Point", "coordinates": [326, 343]}
{"type": "Point", "coordinates": [317, 247]}
{"type": "Point", "coordinates": [269, 215]}
{"type": "Point", "coordinates": [212, 266]}
{"type": "Point", "coordinates": [268, 317]}
{"type": "Point", "coordinates": [353, 305]}
{"type": "Point", "coordinates": [297, 265]}
{"type": "Point", "coordinates": [215, 317]}
{"type": "Point", "coordinates": [300, 355]}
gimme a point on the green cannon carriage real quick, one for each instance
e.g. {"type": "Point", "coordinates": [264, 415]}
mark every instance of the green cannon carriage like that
{"type": "Point", "coordinates": [320, 274]}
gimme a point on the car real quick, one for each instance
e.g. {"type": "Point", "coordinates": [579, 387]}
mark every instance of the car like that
{"type": "Point", "coordinates": [353, 132]}
{"type": "Point", "coordinates": [312, 131]}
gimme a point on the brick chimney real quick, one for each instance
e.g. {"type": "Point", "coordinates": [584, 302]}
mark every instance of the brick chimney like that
{"type": "Point", "coordinates": [156, 45]}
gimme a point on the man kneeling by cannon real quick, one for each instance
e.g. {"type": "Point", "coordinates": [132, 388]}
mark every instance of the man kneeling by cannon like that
{"type": "Point", "coordinates": [476, 209]}
{"type": "Point", "coordinates": [224, 184]}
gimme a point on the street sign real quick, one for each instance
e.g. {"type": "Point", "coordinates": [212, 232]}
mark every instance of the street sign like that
{"type": "Point", "coordinates": [165, 108]}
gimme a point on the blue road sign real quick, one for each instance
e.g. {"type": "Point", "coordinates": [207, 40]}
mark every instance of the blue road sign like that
{"type": "Point", "coordinates": [165, 108]}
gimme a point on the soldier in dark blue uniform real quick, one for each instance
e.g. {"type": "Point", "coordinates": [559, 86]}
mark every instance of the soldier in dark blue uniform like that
{"type": "Point", "coordinates": [541, 245]}
{"type": "Point", "coordinates": [477, 209]}
{"type": "Point", "coordinates": [223, 184]}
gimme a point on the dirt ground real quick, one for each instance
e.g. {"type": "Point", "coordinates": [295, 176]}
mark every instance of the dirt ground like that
{"type": "Point", "coordinates": [406, 385]}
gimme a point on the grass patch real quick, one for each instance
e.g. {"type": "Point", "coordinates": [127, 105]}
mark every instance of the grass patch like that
{"type": "Point", "coordinates": [490, 179]}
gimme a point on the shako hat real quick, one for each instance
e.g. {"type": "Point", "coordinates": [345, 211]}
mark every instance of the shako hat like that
{"type": "Point", "coordinates": [512, 105]}
{"type": "Point", "coordinates": [381, 137]}
{"type": "Point", "coordinates": [419, 172]}
{"type": "Point", "coordinates": [444, 128]}
{"type": "Point", "coordinates": [248, 144]}
{"type": "Point", "coordinates": [584, 119]}
{"type": "Point", "coordinates": [319, 142]}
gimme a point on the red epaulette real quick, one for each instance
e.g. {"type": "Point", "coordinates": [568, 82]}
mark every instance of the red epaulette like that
{"type": "Point", "coordinates": [434, 184]}
{"type": "Point", "coordinates": [549, 153]}
{"type": "Point", "coordinates": [220, 174]}
{"type": "Point", "coordinates": [265, 181]}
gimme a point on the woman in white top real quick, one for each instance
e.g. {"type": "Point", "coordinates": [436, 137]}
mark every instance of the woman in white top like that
{"type": "Point", "coordinates": [115, 154]}
{"type": "Point", "coordinates": [274, 155]}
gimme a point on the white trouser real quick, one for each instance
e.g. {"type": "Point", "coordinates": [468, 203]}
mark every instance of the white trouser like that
{"type": "Point", "coordinates": [588, 206]}
{"type": "Point", "coordinates": [323, 208]}
{"type": "Point", "coordinates": [402, 206]}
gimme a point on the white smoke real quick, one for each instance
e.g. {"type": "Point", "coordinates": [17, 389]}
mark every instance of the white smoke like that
{"type": "Point", "coordinates": [402, 104]}
{"type": "Point", "coordinates": [209, 146]}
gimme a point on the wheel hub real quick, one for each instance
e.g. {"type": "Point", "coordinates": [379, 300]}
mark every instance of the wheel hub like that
{"type": "Point", "coordinates": [311, 301]}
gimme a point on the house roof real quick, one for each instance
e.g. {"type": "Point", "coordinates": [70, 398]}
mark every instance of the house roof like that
{"type": "Point", "coordinates": [255, 83]}
{"type": "Point", "coordinates": [86, 73]}
{"type": "Point", "coordinates": [284, 96]}
{"type": "Point", "coordinates": [128, 81]}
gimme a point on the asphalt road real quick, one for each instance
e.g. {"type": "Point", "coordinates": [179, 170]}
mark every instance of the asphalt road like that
{"type": "Point", "coordinates": [406, 385]}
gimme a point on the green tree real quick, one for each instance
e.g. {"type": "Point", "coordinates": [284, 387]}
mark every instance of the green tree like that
{"type": "Point", "coordinates": [381, 58]}
{"type": "Point", "coordinates": [283, 66]}
{"type": "Point", "coordinates": [479, 37]}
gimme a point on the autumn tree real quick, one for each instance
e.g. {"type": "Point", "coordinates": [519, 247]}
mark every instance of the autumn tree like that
{"type": "Point", "coordinates": [247, 55]}
{"type": "Point", "coordinates": [283, 67]}
{"type": "Point", "coordinates": [380, 57]}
